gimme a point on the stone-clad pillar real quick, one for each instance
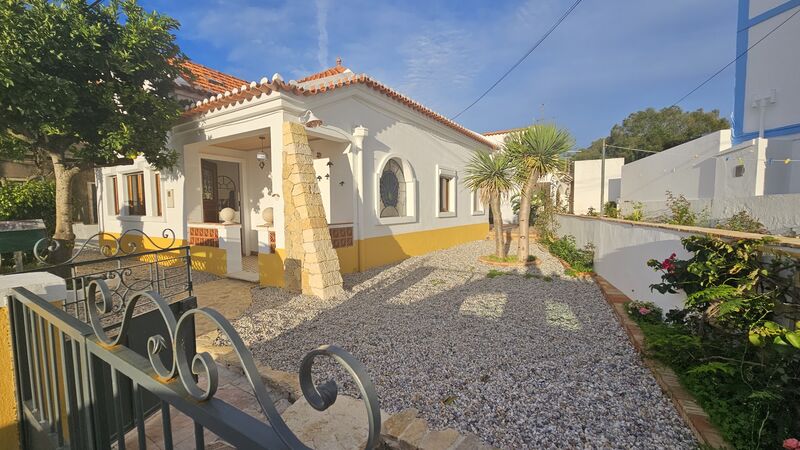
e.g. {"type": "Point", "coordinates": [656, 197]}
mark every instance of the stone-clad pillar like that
{"type": "Point", "coordinates": [311, 265]}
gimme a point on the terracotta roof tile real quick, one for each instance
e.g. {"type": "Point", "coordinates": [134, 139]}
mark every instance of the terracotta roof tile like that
{"type": "Point", "coordinates": [510, 130]}
{"type": "Point", "coordinates": [246, 92]}
{"type": "Point", "coordinates": [210, 80]}
{"type": "Point", "coordinates": [335, 70]}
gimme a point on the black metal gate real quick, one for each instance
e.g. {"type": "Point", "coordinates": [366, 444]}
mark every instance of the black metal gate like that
{"type": "Point", "coordinates": [85, 381]}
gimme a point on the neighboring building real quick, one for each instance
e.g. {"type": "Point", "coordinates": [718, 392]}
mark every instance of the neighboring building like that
{"type": "Point", "coordinates": [756, 166]}
{"type": "Point", "coordinates": [389, 171]}
{"type": "Point", "coordinates": [586, 189]}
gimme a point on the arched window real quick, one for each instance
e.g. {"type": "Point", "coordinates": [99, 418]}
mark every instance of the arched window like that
{"type": "Point", "coordinates": [393, 195]}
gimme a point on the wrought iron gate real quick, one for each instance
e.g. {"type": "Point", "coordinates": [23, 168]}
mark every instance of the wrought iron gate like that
{"type": "Point", "coordinates": [59, 361]}
{"type": "Point", "coordinates": [84, 382]}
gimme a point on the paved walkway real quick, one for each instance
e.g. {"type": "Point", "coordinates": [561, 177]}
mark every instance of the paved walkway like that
{"type": "Point", "coordinates": [230, 297]}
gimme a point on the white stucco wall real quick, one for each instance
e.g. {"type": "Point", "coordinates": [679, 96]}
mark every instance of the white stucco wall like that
{"type": "Point", "coordinates": [586, 184]}
{"type": "Point", "coordinates": [395, 131]}
{"type": "Point", "coordinates": [774, 64]}
{"type": "Point", "coordinates": [622, 250]}
{"type": "Point", "coordinates": [687, 169]}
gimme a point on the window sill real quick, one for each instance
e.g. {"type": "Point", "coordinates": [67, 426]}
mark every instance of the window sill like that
{"type": "Point", "coordinates": [396, 220]}
{"type": "Point", "coordinates": [478, 213]}
{"type": "Point", "coordinates": [445, 214]}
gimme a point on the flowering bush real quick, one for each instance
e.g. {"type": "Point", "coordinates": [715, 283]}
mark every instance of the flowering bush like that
{"type": "Point", "coordinates": [791, 444]}
{"type": "Point", "coordinates": [644, 311]}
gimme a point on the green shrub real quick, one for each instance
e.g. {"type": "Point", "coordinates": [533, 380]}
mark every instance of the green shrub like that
{"type": "Point", "coordinates": [610, 209]}
{"type": "Point", "coordinates": [742, 221]}
{"type": "Point", "coordinates": [34, 199]}
{"type": "Point", "coordinates": [644, 312]}
{"type": "Point", "coordinates": [580, 259]}
{"type": "Point", "coordinates": [637, 214]}
{"type": "Point", "coordinates": [750, 392]}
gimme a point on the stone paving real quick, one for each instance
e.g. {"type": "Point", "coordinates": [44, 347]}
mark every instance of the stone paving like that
{"type": "Point", "coordinates": [229, 297]}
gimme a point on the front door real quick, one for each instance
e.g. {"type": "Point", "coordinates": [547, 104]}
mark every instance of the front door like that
{"type": "Point", "coordinates": [210, 194]}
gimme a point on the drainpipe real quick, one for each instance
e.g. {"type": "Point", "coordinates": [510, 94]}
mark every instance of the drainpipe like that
{"type": "Point", "coordinates": [359, 133]}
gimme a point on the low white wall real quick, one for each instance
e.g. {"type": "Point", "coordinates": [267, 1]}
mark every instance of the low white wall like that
{"type": "Point", "coordinates": [622, 251]}
{"type": "Point", "coordinates": [623, 248]}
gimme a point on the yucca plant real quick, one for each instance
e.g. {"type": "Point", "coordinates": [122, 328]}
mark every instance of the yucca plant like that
{"type": "Point", "coordinates": [534, 151]}
{"type": "Point", "coordinates": [490, 176]}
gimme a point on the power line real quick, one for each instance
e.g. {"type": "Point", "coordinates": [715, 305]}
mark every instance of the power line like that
{"type": "Point", "coordinates": [629, 148]}
{"type": "Point", "coordinates": [537, 44]}
{"type": "Point", "coordinates": [735, 59]}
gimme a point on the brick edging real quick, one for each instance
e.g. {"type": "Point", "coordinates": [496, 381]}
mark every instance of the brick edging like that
{"type": "Point", "coordinates": [686, 405]}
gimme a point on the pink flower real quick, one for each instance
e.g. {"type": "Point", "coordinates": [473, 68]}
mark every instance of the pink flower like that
{"type": "Point", "coordinates": [672, 256]}
{"type": "Point", "coordinates": [644, 311]}
{"type": "Point", "coordinates": [791, 444]}
{"type": "Point", "coordinates": [667, 265]}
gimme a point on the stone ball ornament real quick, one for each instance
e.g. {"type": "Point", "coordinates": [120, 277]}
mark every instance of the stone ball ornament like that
{"type": "Point", "coordinates": [268, 214]}
{"type": "Point", "coordinates": [227, 215]}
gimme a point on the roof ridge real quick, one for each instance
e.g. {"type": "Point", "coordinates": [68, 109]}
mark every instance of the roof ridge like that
{"type": "Point", "coordinates": [247, 92]}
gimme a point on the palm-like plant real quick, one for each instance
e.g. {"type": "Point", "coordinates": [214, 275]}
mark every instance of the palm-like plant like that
{"type": "Point", "coordinates": [491, 176]}
{"type": "Point", "coordinates": [535, 151]}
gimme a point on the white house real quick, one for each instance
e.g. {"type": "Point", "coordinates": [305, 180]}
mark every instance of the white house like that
{"type": "Point", "coordinates": [389, 171]}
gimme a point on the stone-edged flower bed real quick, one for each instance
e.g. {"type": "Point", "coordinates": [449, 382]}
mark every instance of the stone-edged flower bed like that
{"type": "Point", "coordinates": [509, 261]}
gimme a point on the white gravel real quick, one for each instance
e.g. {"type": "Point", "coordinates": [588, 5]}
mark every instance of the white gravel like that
{"type": "Point", "coordinates": [523, 362]}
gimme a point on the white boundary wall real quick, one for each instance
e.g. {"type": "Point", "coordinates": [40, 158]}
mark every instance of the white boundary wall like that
{"type": "Point", "coordinates": [622, 249]}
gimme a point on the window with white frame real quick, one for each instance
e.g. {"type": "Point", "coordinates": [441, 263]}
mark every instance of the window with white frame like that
{"type": "Point", "coordinates": [477, 203]}
{"type": "Point", "coordinates": [112, 187]}
{"type": "Point", "coordinates": [446, 193]}
{"type": "Point", "coordinates": [393, 190]}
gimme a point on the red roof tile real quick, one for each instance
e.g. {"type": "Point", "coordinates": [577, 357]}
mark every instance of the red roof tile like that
{"type": "Point", "coordinates": [335, 70]}
{"type": "Point", "coordinates": [510, 130]}
{"type": "Point", "coordinates": [248, 91]}
{"type": "Point", "coordinates": [210, 80]}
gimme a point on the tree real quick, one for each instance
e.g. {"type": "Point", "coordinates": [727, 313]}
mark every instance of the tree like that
{"type": "Point", "coordinates": [656, 131]}
{"type": "Point", "coordinates": [491, 177]}
{"type": "Point", "coordinates": [535, 151]}
{"type": "Point", "coordinates": [86, 86]}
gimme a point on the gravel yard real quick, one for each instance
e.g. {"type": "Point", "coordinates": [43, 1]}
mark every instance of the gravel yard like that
{"type": "Point", "coordinates": [535, 361]}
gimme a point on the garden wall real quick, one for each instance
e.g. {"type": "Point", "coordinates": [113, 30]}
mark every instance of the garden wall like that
{"type": "Point", "coordinates": [622, 249]}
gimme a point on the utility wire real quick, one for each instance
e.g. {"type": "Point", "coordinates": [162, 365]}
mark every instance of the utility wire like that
{"type": "Point", "coordinates": [537, 44]}
{"type": "Point", "coordinates": [735, 59]}
{"type": "Point", "coordinates": [628, 148]}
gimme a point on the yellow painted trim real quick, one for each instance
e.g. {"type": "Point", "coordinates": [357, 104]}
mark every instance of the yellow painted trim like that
{"type": "Point", "coordinates": [379, 251]}
{"type": "Point", "coordinates": [9, 425]}
{"type": "Point", "coordinates": [207, 259]}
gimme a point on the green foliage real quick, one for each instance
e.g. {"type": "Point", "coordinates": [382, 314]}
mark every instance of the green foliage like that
{"type": "Point", "coordinates": [611, 210]}
{"type": "Point", "coordinates": [538, 150]}
{"type": "Point", "coordinates": [734, 284]}
{"type": "Point", "coordinates": [727, 345]}
{"type": "Point", "coordinates": [545, 222]}
{"type": "Point", "coordinates": [73, 77]}
{"type": "Point", "coordinates": [580, 259]}
{"type": "Point", "coordinates": [489, 174]}
{"type": "Point", "coordinates": [592, 212]}
{"type": "Point", "coordinates": [647, 312]}
{"type": "Point", "coordinates": [655, 130]}
{"type": "Point", "coordinates": [494, 273]}
{"type": "Point", "coordinates": [680, 211]}
{"type": "Point", "coordinates": [742, 221]}
{"type": "Point", "coordinates": [637, 214]}
{"type": "Point", "coordinates": [749, 393]}
{"type": "Point", "coordinates": [535, 205]}
{"type": "Point", "coordinates": [33, 199]}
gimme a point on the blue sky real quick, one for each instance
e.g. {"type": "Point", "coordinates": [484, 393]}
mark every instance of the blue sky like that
{"type": "Point", "coordinates": [608, 59]}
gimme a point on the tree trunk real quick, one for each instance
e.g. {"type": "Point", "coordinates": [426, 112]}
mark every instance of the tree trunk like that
{"type": "Point", "coordinates": [524, 216]}
{"type": "Point", "coordinates": [63, 231]}
{"type": "Point", "coordinates": [500, 246]}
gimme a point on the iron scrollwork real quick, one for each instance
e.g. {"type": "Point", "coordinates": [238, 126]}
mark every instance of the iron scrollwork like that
{"type": "Point", "coordinates": [109, 245]}
{"type": "Point", "coordinates": [320, 397]}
